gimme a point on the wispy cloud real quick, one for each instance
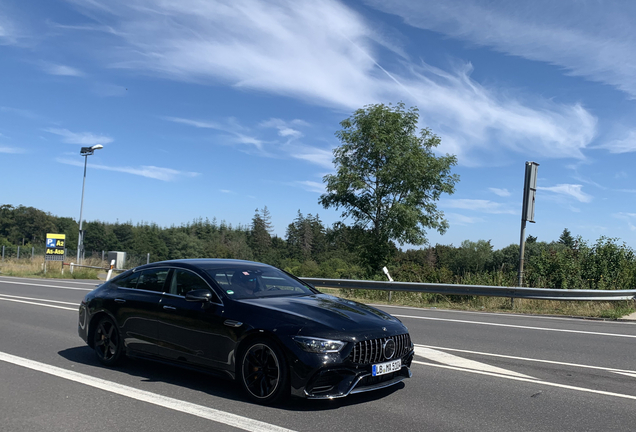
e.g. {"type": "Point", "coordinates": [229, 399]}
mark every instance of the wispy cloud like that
{"type": "Point", "coordinates": [569, 190]}
{"type": "Point", "coordinates": [284, 128]}
{"type": "Point", "coordinates": [153, 172]}
{"type": "Point", "coordinates": [11, 150]}
{"type": "Point", "coordinates": [311, 186]}
{"type": "Point", "coordinates": [286, 145]}
{"type": "Point", "coordinates": [19, 111]}
{"type": "Point", "coordinates": [595, 40]}
{"type": "Point", "coordinates": [63, 70]}
{"type": "Point", "coordinates": [83, 138]}
{"type": "Point", "coordinates": [627, 144]}
{"type": "Point", "coordinates": [9, 30]}
{"type": "Point", "coordinates": [327, 54]}
{"type": "Point", "coordinates": [108, 90]}
{"type": "Point", "coordinates": [500, 192]}
{"type": "Point", "coordinates": [483, 206]}
{"type": "Point", "coordinates": [236, 132]}
{"type": "Point", "coordinates": [630, 218]}
{"type": "Point", "coordinates": [458, 219]}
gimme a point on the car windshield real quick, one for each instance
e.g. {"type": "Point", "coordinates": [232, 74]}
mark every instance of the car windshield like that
{"type": "Point", "coordinates": [246, 282]}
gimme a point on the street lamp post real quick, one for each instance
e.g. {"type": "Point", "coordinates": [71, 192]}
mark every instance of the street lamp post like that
{"type": "Point", "coordinates": [86, 152]}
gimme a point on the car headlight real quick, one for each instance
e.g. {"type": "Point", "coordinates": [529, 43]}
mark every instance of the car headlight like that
{"type": "Point", "coordinates": [318, 345]}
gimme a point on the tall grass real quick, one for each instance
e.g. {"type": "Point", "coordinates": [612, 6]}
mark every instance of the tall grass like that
{"type": "Point", "coordinates": [27, 267]}
{"type": "Point", "coordinates": [608, 310]}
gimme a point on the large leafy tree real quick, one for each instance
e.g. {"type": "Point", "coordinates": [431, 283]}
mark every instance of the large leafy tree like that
{"type": "Point", "coordinates": [388, 179]}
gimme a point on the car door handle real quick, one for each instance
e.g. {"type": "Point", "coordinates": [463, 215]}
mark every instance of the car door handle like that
{"type": "Point", "coordinates": [170, 307]}
{"type": "Point", "coordinates": [120, 301]}
{"type": "Point", "coordinates": [232, 323]}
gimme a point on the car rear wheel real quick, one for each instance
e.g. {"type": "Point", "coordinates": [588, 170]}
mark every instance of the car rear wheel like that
{"type": "Point", "coordinates": [107, 342]}
{"type": "Point", "coordinates": [263, 372]}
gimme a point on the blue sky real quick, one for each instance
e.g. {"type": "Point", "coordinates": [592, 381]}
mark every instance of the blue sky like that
{"type": "Point", "coordinates": [213, 109]}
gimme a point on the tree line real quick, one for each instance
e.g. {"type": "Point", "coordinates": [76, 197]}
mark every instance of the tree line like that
{"type": "Point", "coordinates": [309, 248]}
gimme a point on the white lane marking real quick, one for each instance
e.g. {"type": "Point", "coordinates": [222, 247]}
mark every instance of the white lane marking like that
{"type": "Point", "coordinates": [629, 374]}
{"type": "Point", "coordinates": [49, 286]}
{"type": "Point", "coordinates": [39, 304]}
{"type": "Point", "coordinates": [460, 362]}
{"type": "Point", "coordinates": [218, 416]}
{"type": "Point", "coordinates": [516, 326]}
{"type": "Point", "coordinates": [39, 299]}
{"type": "Point", "coordinates": [498, 314]}
{"type": "Point", "coordinates": [97, 281]}
{"type": "Point", "coordinates": [532, 381]}
{"type": "Point", "coordinates": [615, 370]}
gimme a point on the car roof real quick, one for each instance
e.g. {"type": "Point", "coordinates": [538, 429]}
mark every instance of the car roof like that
{"type": "Point", "coordinates": [203, 263]}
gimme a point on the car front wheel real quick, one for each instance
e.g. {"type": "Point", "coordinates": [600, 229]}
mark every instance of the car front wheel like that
{"type": "Point", "coordinates": [263, 372]}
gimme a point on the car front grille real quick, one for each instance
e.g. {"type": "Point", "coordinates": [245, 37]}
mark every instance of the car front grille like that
{"type": "Point", "coordinates": [370, 351]}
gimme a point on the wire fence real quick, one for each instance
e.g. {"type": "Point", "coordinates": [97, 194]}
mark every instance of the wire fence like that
{"type": "Point", "coordinates": [12, 252]}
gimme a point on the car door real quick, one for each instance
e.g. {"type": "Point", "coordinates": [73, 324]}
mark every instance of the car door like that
{"type": "Point", "coordinates": [194, 332]}
{"type": "Point", "coordinates": [135, 304]}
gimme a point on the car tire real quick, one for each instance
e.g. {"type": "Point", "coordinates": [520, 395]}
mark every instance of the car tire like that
{"type": "Point", "coordinates": [107, 342]}
{"type": "Point", "coordinates": [263, 372]}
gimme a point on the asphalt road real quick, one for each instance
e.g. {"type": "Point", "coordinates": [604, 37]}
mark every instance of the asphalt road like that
{"type": "Point", "coordinates": [472, 372]}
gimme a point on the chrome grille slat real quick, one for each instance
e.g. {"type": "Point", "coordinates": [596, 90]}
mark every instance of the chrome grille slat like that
{"type": "Point", "coordinates": [370, 351]}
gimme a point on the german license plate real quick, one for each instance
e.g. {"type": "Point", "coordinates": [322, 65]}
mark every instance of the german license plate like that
{"type": "Point", "coordinates": [385, 368]}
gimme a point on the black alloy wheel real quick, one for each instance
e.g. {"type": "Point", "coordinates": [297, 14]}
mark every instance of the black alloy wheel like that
{"type": "Point", "coordinates": [107, 342]}
{"type": "Point", "coordinates": [263, 372]}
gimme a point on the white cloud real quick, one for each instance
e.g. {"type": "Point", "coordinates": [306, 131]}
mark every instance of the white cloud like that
{"type": "Point", "coordinates": [570, 190]}
{"type": "Point", "coordinates": [19, 111]}
{"type": "Point", "coordinates": [500, 192]}
{"type": "Point", "coordinates": [624, 145]}
{"type": "Point", "coordinates": [327, 54]}
{"type": "Point", "coordinates": [284, 130]}
{"type": "Point", "coordinates": [11, 150]}
{"type": "Point", "coordinates": [484, 206]}
{"type": "Point", "coordinates": [630, 218]}
{"type": "Point", "coordinates": [311, 186]}
{"type": "Point", "coordinates": [231, 127]}
{"type": "Point", "coordinates": [595, 40]}
{"type": "Point", "coordinates": [83, 138]}
{"type": "Point", "coordinates": [9, 30]}
{"type": "Point", "coordinates": [316, 156]}
{"type": "Point", "coordinates": [458, 219]}
{"type": "Point", "coordinates": [149, 171]}
{"type": "Point", "coordinates": [58, 69]}
{"type": "Point", "coordinates": [108, 90]}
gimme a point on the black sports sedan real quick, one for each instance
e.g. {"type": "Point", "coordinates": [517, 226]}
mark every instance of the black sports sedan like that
{"type": "Point", "coordinates": [249, 321]}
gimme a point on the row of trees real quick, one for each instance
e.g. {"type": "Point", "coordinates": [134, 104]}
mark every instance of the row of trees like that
{"type": "Point", "coordinates": [311, 249]}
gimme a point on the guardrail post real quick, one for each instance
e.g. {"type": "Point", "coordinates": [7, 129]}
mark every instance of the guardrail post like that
{"type": "Point", "coordinates": [71, 265]}
{"type": "Point", "coordinates": [18, 252]}
{"type": "Point", "coordinates": [110, 270]}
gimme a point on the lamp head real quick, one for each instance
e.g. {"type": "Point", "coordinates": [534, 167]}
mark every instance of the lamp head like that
{"type": "Point", "coordinates": [87, 151]}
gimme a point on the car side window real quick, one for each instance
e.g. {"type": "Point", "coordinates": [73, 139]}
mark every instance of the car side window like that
{"type": "Point", "coordinates": [129, 281]}
{"type": "Point", "coordinates": [184, 281]}
{"type": "Point", "coordinates": [153, 279]}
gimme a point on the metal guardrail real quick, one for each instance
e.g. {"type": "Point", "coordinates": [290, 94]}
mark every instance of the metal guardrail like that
{"type": "Point", "coordinates": [478, 290]}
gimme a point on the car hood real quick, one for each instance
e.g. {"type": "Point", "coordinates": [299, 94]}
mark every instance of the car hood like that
{"type": "Point", "coordinates": [329, 313]}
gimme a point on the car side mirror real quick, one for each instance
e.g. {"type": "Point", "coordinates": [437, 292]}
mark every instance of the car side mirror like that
{"type": "Point", "coordinates": [200, 295]}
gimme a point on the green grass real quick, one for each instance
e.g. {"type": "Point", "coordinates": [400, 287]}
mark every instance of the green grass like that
{"type": "Point", "coordinates": [35, 268]}
{"type": "Point", "coordinates": [593, 309]}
